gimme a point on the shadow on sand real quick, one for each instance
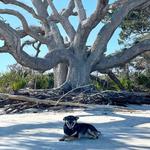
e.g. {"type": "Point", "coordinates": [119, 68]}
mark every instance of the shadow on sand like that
{"type": "Point", "coordinates": [116, 135]}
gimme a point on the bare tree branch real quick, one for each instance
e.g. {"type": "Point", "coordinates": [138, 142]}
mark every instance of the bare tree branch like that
{"type": "Point", "coordinates": [33, 42]}
{"type": "Point", "coordinates": [100, 44]}
{"type": "Point", "coordinates": [98, 15]}
{"type": "Point", "coordinates": [66, 13]}
{"type": "Point", "coordinates": [18, 15]}
{"type": "Point", "coordinates": [14, 48]}
{"type": "Point", "coordinates": [3, 49]}
{"type": "Point", "coordinates": [42, 64]}
{"type": "Point", "coordinates": [32, 12]}
{"type": "Point", "coordinates": [64, 21]}
{"type": "Point", "coordinates": [24, 6]}
{"type": "Point", "coordinates": [28, 42]}
{"type": "Point", "coordinates": [68, 28]}
{"type": "Point", "coordinates": [86, 26]}
{"type": "Point", "coordinates": [80, 10]}
{"type": "Point", "coordinates": [21, 33]}
{"type": "Point", "coordinates": [56, 13]}
{"type": "Point", "coordinates": [35, 29]}
{"type": "Point", "coordinates": [10, 37]}
{"type": "Point", "coordinates": [118, 4]}
{"type": "Point", "coordinates": [37, 49]}
{"type": "Point", "coordinates": [42, 12]}
{"type": "Point", "coordinates": [45, 3]}
{"type": "Point", "coordinates": [41, 8]}
{"type": "Point", "coordinates": [24, 24]}
{"type": "Point", "coordinates": [69, 10]}
{"type": "Point", "coordinates": [124, 56]}
{"type": "Point", "coordinates": [57, 36]}
{"type": "Point", "coordinates": [115, 79]}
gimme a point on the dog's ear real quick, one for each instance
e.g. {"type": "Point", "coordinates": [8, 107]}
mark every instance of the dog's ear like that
{"type": "Point", "coordinates": [64, 118]}
{"type": "Point", "coordinates": [77, 117]}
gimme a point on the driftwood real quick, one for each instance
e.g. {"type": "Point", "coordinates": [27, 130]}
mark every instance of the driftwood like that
{"type": "Point", "coordinates": [127, 97]}
{"type": "Point", "coordinates": [48, 99]}
{"type": "Point", "coordinates": [92, 97]}
{"type": "Point", "coordinates": [40, 101]}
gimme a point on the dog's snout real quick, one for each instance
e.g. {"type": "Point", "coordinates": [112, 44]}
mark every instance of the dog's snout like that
{"type": "Point", "coordinates": [70, 123]}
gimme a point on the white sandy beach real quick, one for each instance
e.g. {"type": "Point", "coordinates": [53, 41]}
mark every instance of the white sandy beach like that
{"type": "Point", "coordinates": [122, 129]}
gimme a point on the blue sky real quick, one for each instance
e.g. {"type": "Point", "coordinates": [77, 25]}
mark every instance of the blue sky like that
{"type": "Point", "coordinates": [7, 59]}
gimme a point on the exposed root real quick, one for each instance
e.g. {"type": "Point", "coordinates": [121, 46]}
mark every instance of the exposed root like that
{"type": "Point", "coordinates": [45, 99]}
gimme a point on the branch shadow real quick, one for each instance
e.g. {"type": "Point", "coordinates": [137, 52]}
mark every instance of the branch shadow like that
{"type": "Point", "coordinates": [116, 135]}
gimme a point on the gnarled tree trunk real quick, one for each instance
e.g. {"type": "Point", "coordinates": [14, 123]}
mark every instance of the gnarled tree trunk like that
{"type": "Point", "coordinates": [78, 74]}
{"type": "Point", "coordinates": [60, 74]}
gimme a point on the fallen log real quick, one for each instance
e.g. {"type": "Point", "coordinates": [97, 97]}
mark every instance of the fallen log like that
{"type": "Point", "coordinates": [72, 99]}
{"type": "Point", "coordinates": [125, 97]}
{"type": "Point", "coordinates": [41, 101]}
{"type": "Point", "coordinates": [14, 107]}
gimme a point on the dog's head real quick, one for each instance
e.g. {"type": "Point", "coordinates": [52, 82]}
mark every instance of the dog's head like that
{"type": "Point", "coordinates": [70, 121]}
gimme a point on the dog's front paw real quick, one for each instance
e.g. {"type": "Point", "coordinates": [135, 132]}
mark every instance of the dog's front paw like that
{"type": "Point", "coordinates": [62, 139]}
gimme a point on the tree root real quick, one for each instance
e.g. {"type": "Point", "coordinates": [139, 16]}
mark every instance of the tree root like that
{"type": "Point", "coordinates": [50, 99]}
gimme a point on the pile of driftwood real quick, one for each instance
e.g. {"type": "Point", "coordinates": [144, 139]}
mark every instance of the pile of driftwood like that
{"type": "Point", "coordinates": [42, 99]}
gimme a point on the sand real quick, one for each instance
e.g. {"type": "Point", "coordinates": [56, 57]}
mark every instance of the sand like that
{"type": "Point", "coordinates": [122, 129]}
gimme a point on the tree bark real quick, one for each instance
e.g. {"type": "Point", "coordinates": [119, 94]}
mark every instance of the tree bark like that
{"type": "Point", "coordinates": [41, 101]}
{"type": "Point", "coordinates": [60, 74]}
{"type": "Point", "coordinates": [78, 75]}
{"type": "Point", "coordinates": [116, 80]}
{"type": "Point", "coordinates": [108, 97]}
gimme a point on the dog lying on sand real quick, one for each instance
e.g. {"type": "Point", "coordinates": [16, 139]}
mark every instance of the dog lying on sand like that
{"type": "Point", "coordinates": [74, 130]}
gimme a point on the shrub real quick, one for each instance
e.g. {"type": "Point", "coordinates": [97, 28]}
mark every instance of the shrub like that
{"type": "Point", "coordinates": [11, 81]}
{"type": "Point", "coordinates": [21, 83]}
{"type": "Point", "coordinates": [144, 80]}
{"type": "Point", "coordinates": [41, 81]}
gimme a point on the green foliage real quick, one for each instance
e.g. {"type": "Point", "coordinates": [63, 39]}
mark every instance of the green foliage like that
{"type": "Point", "coordinates": [50, 80]}
{"type": "Point", "coordinates": [15, 80]}
{"type": "Point", "coordinates": [44, 81]}
{"type": "Point", "coordinates": [143, 80]}
{"type": "Point", "coordinates": [114, 86]}
{"type": "Point", "coordinates": [11, 81]}
{"type": "Point", "coordinates": [136, 23]}
{"type": "Point", "coordinates": [97, 85]}
{"type": "Point", "coordinates": [19, 84]}
{"type": "Point", "coordinates": [104, 84]}
{"type": "Point", "coordinates": [135, 82]}
{"type": "Point", "coordinates": [127, 83]}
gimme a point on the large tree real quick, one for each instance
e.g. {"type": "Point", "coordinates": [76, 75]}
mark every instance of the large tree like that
{"type": "Point", "coordinates": [72, 59]}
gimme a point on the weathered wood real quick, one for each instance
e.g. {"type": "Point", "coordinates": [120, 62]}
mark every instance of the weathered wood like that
{"type": "Point", "coordinates": [115, 79]}
{"type": "Point", "coordinates": [81, 99]}
{"type": "Point", "coordinates": [41, 101]}
{"type": "Point", "coordinates": [15, 107]}
{"type": "Point", "coordinates": [50, 99]}
{"type": "Point", "coordinates": [126, 97]}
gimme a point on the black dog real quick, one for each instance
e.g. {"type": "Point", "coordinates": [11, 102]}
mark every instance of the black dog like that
{"type": "Point", "coordinates": [74, 130]}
